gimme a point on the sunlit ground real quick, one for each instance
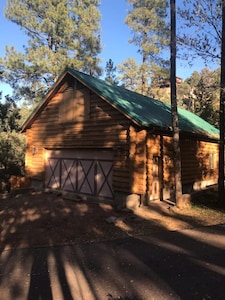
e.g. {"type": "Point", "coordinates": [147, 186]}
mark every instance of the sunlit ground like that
{"type": "Point", "coordinates": [46, 219]}
{"type": "Point", "coordinates": [156, 262]}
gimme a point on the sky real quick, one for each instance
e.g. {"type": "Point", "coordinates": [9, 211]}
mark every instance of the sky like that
{"type": "Point", "coordinates": [115, 34]}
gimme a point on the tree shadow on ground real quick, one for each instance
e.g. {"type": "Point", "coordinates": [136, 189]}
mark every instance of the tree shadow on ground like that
{"type": "Point", "coordinates": [51, 249]}
{"type": "Point", "coordinates": [208, 198]}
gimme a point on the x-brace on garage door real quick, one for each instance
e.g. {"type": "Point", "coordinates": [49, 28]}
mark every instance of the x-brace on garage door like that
{"type": "Point", "coordinates": [85, 171]}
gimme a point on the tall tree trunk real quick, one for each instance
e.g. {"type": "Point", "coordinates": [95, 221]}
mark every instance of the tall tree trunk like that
{"type": "Point", "coordinates": [143, 75]}
{"type": "Point", "coordinates": [222, 103]}
{"type": "Point", "coordinates": [174, 113]}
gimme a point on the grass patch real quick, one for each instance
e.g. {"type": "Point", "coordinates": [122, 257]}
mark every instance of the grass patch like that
{"type": "Point", "coordinates": [207, 199]}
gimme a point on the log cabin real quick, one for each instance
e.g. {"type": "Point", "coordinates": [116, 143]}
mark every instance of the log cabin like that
{"type": "Point", "coordinates": [92, 139]}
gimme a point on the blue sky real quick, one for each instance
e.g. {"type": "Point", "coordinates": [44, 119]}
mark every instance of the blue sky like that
{"type": "Point", "coordinates": [115, 35]}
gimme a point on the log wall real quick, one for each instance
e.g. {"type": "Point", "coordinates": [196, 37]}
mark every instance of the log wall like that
{"type": "Point", "coordinates": [104, 127]}
{"type": "Point", "coordinates": [138, 161]}
{"type": "Point", "coordinates": [142, 160]}
{"type": "Point", "coordinates": [199, 162]}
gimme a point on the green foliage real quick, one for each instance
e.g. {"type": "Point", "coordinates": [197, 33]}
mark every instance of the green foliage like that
{"type": "Point", "coordinates": [12, 154]}
{"type": "Point", "coordinates": [204, 94]}
{"type": "Point", "coordinates": [130, 75]}
{"type": "Point", "coordinates": [159, 74]}
{"type": "Point", "coordinates": [25, 111]}
{"type": "Point", "coordinates": [110, 70]}
{"type": "Point", "coordinates": [159, 79]}
{"type": "Point", "coordinates": [9, 116]}
{"type": "Point", "coordinates": [12, 144]}
{"type": "Point", "coordinates": [60, 33]}
{"type": "Point", "coordinates": [147, 19]}
{"type": "Point", "coordinates": [183, 93]}
{"type": "Point", "coordinates": [199, 93]}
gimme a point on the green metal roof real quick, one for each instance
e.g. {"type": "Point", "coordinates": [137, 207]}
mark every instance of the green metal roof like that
{"type": "Point", "coordinates": [146, 111]}
{"type": "Point", "coordinates": [142, 110]}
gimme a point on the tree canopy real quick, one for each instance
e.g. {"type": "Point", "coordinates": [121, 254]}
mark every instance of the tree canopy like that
{"type": "Point", "coordinates": [147, 19]}
{"type": "Point", "coordinates": [12, 144]}
{"type": "Point", "coordinates": [60, 33]}
{"type": "Point", "coordinates": [110, 71]}
{"type": "Point", "coordinates": [129, 74]}
{"type": "Point", "coordinates": [203, 98]}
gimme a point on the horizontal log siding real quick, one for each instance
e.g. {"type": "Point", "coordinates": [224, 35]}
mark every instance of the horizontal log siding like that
{"type": "Point", "coordinates": [34, 161]}
{"type": "Point", "coordinates": [138, 161]}
{"type": "Point", "coordinates": [195, 161]}
{"type": "Point", "coordinates": [105, 128]}
{"type": "Point", "coordinates": [28, 156]}
{"type": "Point", "coordinates": [121, 172]}
{"type": "Point", "coordinates": [195, 157]}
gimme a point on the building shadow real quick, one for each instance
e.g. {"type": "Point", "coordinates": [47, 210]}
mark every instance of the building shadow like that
{"type": "Point", "coordinates": [172, 264]}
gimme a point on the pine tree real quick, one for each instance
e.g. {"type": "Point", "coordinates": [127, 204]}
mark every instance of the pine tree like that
{"type": "Point", "coordinates": [61, 33]}
{"type": "Point", "coordinates": [147, 19]}
{"type": "Point", "coordinates": [110, 70]}
{"type": "Point", "coordinates": [130, 75]}
{"type": "Point", "coordinates": [204, 96]}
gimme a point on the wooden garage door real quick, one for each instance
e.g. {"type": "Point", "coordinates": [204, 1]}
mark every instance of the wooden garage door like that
{"type": "Point", "coordinates": [83, 171]}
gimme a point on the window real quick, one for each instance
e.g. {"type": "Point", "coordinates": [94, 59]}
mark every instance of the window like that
{"type": "Point", "coordinates": [211, 161]}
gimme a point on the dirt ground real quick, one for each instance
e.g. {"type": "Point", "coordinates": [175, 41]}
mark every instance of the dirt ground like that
{"type": "Point", "coordinates": [41, 219]}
